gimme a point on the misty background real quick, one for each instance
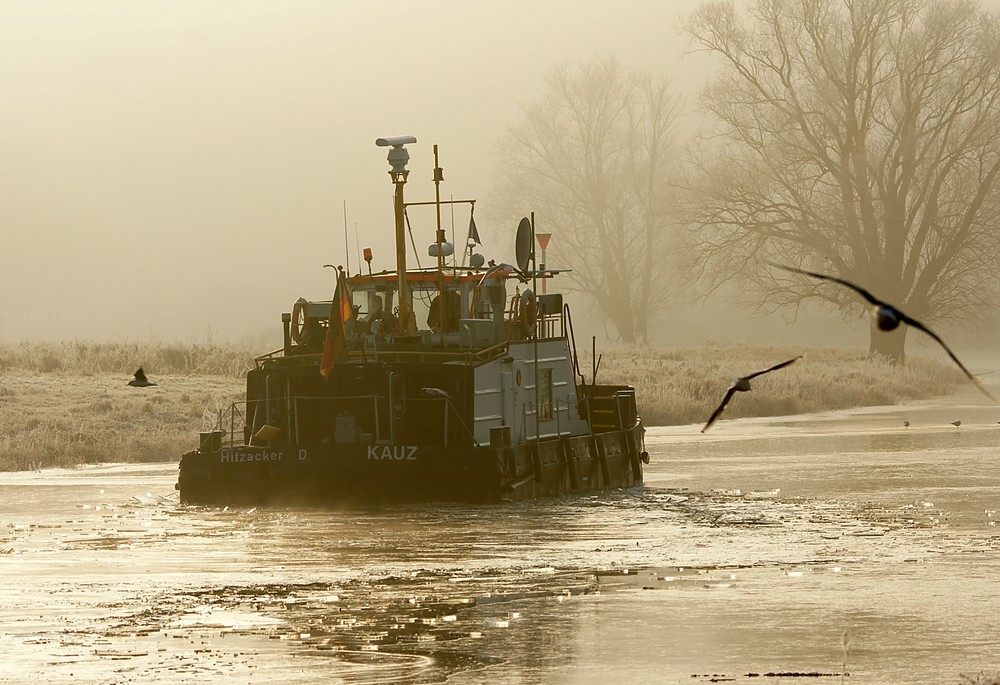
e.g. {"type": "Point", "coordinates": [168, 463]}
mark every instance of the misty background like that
{"type": "Point", "coordinates": [180, 171]}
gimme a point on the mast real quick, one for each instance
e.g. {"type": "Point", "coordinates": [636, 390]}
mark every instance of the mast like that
{"type": "Point", "coordinates": [534, 338]}
{"type": "Point", "coordinates": [398, 157]}
{"type": "Point", "coordinates": [438, 177]}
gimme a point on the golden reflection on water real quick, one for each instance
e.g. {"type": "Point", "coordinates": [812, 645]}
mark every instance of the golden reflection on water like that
{"type": "Point", "coordinates": [742, 557]}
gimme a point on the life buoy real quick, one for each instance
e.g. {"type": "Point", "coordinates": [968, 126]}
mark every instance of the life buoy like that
{"type": "Point", "coordinates": [527, 313]}
{"type": "Point", "coordinates": [300, 320]}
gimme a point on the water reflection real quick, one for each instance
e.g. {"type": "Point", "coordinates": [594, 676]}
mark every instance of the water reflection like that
{"type": "Point", "coordinates": [754, 552]}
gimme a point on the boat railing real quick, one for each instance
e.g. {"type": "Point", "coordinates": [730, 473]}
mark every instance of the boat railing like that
{"type": "Point", "coordinates": [552, 317]}
{"type": "Point", "coordinates": [267, 356]}
{"type": "Point", "coordinates": [228, 421]}
{"type": "Point", "coordinates": [365, 419]}
{"type": "Point", "coordinates": [540, 318]}
{"type": "Point", "coordinates": [373, 354]}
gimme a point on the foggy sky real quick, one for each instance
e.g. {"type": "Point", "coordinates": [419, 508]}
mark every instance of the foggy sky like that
{"type": "Point", "coordinates": [177, 171]}
{"type": "Point", "coordinates": [171, 170]}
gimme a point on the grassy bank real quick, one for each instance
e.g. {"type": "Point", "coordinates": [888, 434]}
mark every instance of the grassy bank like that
{"type": "Point", "coordinates": [63, 404]}
{"type": "Point", "coordinates": [56, 419]}
{"type": "Point", "coordinates": [67, 403]}
{"type": "Point", "coordinates": [681, 386]}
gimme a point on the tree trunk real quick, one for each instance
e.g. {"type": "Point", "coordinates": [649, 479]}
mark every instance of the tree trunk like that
{"type": "Point", "coordinates": [625, 324]}
{"type": "Point", "coordinates": [888, 345]}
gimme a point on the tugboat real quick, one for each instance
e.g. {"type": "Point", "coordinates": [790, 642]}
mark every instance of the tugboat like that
{"type": "Point", "coordinates": [449, 383]}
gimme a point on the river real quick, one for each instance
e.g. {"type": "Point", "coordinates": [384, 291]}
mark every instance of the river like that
{"type": "Point", "coordinates": [829, 548]}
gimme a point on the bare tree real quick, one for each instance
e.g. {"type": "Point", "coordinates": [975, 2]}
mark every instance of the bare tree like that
{"type": "Point", "coordinates": [591, 159]}
{"type": "Point", "coordinates": [859, 138]}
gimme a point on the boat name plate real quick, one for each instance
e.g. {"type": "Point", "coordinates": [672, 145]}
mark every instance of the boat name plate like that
{"type": "Point", "coordinates": [260, 454]}
{"type": "Point", "coordinates": [396, 452]}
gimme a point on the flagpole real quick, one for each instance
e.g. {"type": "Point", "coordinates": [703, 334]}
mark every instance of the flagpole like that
{"type": "Point", "coordinates": [473, 238]}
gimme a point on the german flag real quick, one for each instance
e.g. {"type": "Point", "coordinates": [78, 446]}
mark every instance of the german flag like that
{"type": "Point", "coordinates": [335, 347]}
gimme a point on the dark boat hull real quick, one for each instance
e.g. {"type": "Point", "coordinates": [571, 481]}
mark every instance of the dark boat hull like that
{"type": "Point", "coordinates": [332, 474]}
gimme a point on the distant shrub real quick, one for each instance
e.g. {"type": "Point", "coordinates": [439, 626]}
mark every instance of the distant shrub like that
{"type": "Point", "coordinates": [90, 358]}
{"type": "Point", "coordinates": [49, 363]}
{"type": "Point", "coordinates": [175, 358]}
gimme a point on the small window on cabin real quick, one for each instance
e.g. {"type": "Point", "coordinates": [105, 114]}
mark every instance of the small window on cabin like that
{"type": "Point", "coordinates": [545, 394]}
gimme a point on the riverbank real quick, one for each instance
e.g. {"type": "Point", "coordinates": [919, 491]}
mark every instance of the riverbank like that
{"type": "Point", "coordinates": [56, 419]}
{"type": "Point", "coordinates": [677, 386]}
{"type": "Point", "coordinates": [63, 404]}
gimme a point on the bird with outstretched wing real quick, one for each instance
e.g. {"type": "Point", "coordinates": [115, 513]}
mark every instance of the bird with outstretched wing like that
{"type": "Point", "coordinates": [742, 385]}
{"type": "Point", "coordinates": [888, 317]}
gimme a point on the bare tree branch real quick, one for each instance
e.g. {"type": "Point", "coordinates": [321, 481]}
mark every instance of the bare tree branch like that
{"type": "Point", "coordinates": [860, 138]}
{"type": "Point", "coordinates": [592, 158]}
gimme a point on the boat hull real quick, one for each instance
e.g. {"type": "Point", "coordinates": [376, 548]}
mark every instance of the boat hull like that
{"type": "Point", "coordinates": [331, 474]}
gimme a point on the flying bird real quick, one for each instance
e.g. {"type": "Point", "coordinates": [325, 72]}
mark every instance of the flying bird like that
{"type": "Point", "coordinates": [743, 385]}
{"type": "Point", "coordinates": [956, 424]}
{"type": "Point", "coordinates": [888, 317]}
{"type": "Point", "coordinates": [140, 380]}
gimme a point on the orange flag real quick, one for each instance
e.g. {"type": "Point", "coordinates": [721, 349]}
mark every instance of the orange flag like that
{"type": "Point", "coordinates": [335, 346]}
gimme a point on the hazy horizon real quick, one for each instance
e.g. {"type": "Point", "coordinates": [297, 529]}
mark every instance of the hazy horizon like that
{"type": "Point", "coordinates": [179, 171]}
{"type": "Point", "coordinates": [171, 168]}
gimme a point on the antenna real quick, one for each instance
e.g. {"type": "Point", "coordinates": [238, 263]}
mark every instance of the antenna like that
{"type": "Point", "coordinates": [347, 249]}
{"type": "Point", "coordinates": [454, 260]}
{"type": "Point", "coordinates": [358, 248]}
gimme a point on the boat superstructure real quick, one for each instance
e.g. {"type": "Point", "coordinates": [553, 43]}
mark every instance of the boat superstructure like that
{"type": "Point", "coordinates": [454, 382]}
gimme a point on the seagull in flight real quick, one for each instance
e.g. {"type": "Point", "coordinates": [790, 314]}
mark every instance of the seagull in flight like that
{"type": "Point", "coordinates": [742, 385]}
{"type": "Point", "coordinates": [140, 380]}
{"type": "Point", "coordinates": [888, 317]}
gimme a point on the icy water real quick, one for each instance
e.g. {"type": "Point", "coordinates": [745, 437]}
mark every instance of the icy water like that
{"type": "Point", "coordinates": [822, 549]}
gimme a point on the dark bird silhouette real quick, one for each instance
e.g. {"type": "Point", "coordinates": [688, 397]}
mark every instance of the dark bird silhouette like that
{"type": "Point", "coordinates": [906, 424]}
{"type": "Point", "coordinates": [140, 380]}
{"type": "Point", "coordinates": [888, 317]}
{"type": "Point", "coordinates": [956, 424]}
{"type": "Point", "coordinates": [743, 385]}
